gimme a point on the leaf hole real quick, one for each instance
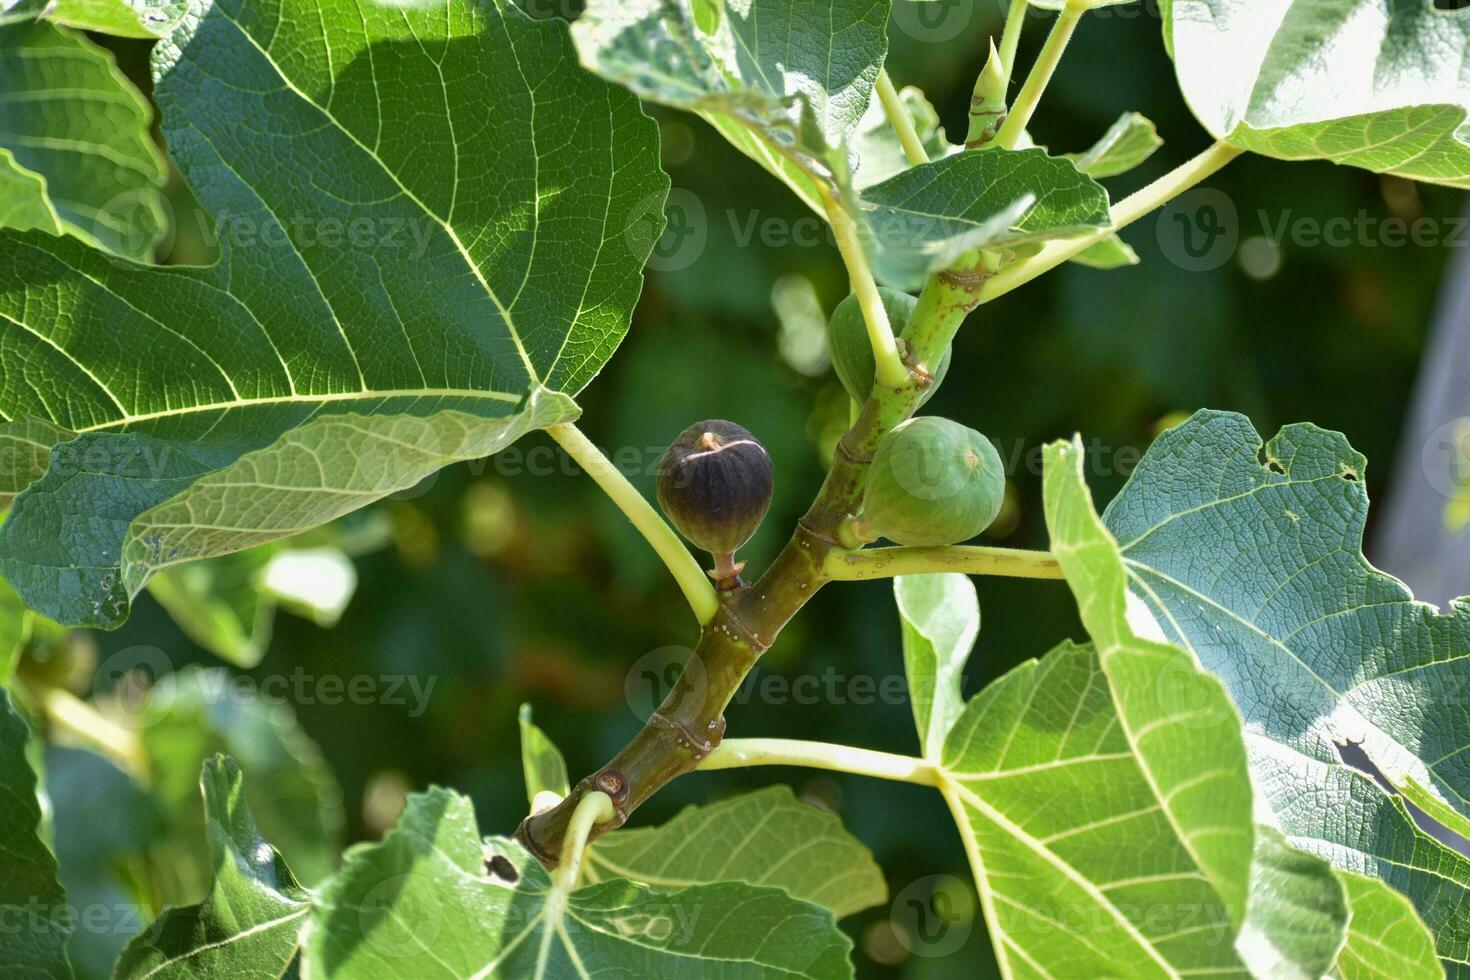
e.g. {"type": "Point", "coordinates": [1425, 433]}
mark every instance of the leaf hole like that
{"type": "Point", "coordinates": [1349, 474]}
{"type": "Point", "coordinates": [1451, 5]}
{"type": "Point", "coordinates": [499, 866]}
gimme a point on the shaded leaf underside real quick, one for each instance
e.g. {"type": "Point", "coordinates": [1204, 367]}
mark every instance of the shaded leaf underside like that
{"type": "Point", "coordinates": [1251, 557]}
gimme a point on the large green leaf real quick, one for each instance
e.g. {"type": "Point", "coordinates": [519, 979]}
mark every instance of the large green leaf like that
{"type": "Point", "coordinates": [1107, 836]}
{"type": "Point", "coordinates": [1250, 556]}
{"type": "Point", "coordinates": [76, 154]}
{"type": "Point", "coordinates": [786, 81]}
{"type": "Point", "coordinates": [251, 922]}
{"type": "Point", "coordinates": [924, 218]}
{"type": "Point", "coordinates": [1174, 715]}
{"type": "Point", "coordinates": [1379, 84]}
{"type": "Point", "coordinates": [31, 898]}
{"type": "Point", "coordinates": [1081, 868]}
{"type": "Point", "coordinates": [434, 900]}
{"type": "Point", "coordinates": [768, 838]}
{"type": "Point", "coordinates": [1386, 938]}
{"type": "Point", "coordinates": [405, 281]}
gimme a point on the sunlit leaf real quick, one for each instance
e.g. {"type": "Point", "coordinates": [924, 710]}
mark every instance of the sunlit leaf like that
{"type": "Point", "coordinates": [433, 899]}
{"type": "Point", "coordinates": [123, 18]}
{"type": "Point", "coordinates": [1378, 84]}
{"type": "Point", "coordinates": [1386, 938]}
{"type": "Point", "coordinates": [767, 838]}
{"type": "Point", "coordinates": [1108, 825]}
{"type": "Point", "coordinates": [1298, 914]}
{"type": "Point", "coordinates": [404, 282]}
{"type": "Point", "coordinates": [786, 82]}
{"type": "Point", "coordinates": [924, 218]}
{"type": "Point", "coordinates": [1127, 143]}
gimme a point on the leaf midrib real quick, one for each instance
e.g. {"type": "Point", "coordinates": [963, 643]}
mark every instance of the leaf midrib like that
{"type": "Point", "coordinates": [348, 396]}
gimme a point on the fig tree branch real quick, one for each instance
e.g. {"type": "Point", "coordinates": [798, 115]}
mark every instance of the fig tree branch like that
{"type": "Point", "coordinates": [692, 580]}
{"type": "Point", "coordinates": [689, 725]}
{"type": "Point", "coordinates": [736, 753]}
{"type": "Point", "coordinates": [842, 565]}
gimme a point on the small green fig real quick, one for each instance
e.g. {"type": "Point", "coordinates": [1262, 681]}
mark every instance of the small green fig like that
{"type": "Point", "coordinates": [852, 351]}
{"type": "Point", "coordinates": [714, 484]}
{"type": "Point", "coordinates": [932, 482]}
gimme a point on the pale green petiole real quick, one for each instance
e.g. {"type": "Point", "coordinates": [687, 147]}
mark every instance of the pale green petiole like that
{"type": "Point", "coordinates": [1125, 212]}
{"type": "Point", "coordinates": [900, 120]}
{"type": "Point", "coordinates": [890, 372]}
{"type": "Point", "coordinates": [735, 753]}
{"type": "Point", "coordinates": [871, 563]}
{"type": "Point", "coordinates": [1011, 36]}
{"type": "Point", "coordinates": [695, 583]}
{"type": "Point", "coordinates": [594, 808]}
{"type": "Point", "coordinates": [78, 721]}
{"type": "Point", "coordinates": [1046, 65]}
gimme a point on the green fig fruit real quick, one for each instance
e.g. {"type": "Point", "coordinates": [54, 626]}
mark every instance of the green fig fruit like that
{"type": "Point", "coordinates": [852, 352]}
{"type": "Point", "coordinates": [932, 482]}
{"type": "Point", "coordinates": [714, 484]}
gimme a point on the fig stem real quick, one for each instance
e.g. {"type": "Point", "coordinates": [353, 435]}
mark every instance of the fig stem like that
{"type": "Point", "coordinates": [593, 809]}
{"type": "Point", "coordinates": [1010, 37]}
{"type": "Point", "coordinates": [696, 586]}
{"type": "Point", "coordinates": [889, 369]}
{"type": "Point", "coordinates": [1036, 81]}
{"type": "Point", "coordinates": [871, 563]}
{"type": "Point", "coordinates": [726, 572]}
{"type": "Point", "coordinates": [736, 753]}
{"type": "Point", "coordinates": [900, 120]}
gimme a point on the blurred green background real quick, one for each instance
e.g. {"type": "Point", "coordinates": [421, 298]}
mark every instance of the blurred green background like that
{"type": "Point", "coordinates": [516, 581]}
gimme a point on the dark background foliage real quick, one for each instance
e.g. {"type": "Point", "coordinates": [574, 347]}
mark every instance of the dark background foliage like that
{"type": "Point", "coordinates": [516, 581]}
